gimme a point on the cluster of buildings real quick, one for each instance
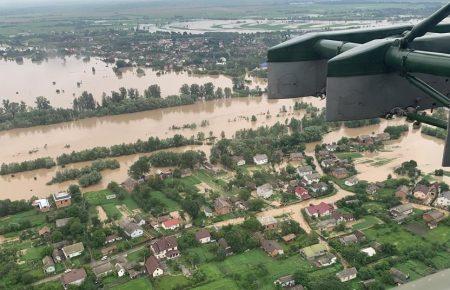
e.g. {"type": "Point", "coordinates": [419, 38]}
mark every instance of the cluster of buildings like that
{"type": "Point", "coordinates": [60, 200]}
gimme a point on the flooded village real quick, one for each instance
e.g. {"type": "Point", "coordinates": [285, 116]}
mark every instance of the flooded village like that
{"type": "Point", "coordinates": [149, 156]}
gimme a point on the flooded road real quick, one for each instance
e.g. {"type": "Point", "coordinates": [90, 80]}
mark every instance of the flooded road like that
{"type": "Point", "coordinates": [27, 81]}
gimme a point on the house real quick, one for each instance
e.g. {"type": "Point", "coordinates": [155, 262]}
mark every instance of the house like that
{"type": "Point", "coordinates": [62, 199]}
{"type": "Point", "coordinates": [264, 191]}
{"type": "Point", "coordinates": [139, 219]}
{"type": "Point", "coordinates": [49, 264]}
{"type": "Point", "coordinates": [328, 224]}
{"type": "Point", "coordinates": [398, 276]}
{"type": "Point", "coordinates": [360, 235]}
{"type": "Point", "coordinates": [129, 184]}
{"type": "Point", "coordinates": [342, 217]}
{"type": "Point", "coordinates": [131, 229]}
{"type": "Point", "coordinates": [42, 204]}
{"type": "Point", "coordinates": [304, 170]}
{"type": "Point", "coordinates": [340, 173]}
{"type": "Point", "coordinates": [433, 217]}
{"type": "Point", "coordinates": [203, 236]}
{"type": "Point", "coordinates": [319, 187]}
{"type": "Point", "coordinates": [421, 192]}
{"type": "Point", "coordinates": [62, 222]}
{"type": "Point", "coordinates": [331, 147]}
{"type": "Point", "coordinates": [302, 193]}
{"type": "Point", "coordinates": [311, 178]}
{"type": "Point", "coordinates": [285, 281]}
{"type": "Point", "coordinates": [326, 260]}
{"type": "Point", "coordinates": [225, 247]}
{"type": "Point", "coordinates": [153, 267]}
{"type": "Point", "coordinates": [296, 156]}
{"type": "Point", "coordinates": [112, 238]}
{"type": "Point", "coordinates": [74, 277]}
{"type": "Point", "coordinates": [288, 238]}
{"type": "Point", "coordinates": [108, 250]}
{"type": "Point", "coordinates": [402, 191]}
{"type": "Point", "coordinates": [171, 224]}
{"type": "Point", "coordinates": [372, 188]}
{"type": "Point", "coordinates": [347, 274]}
{"type": "Point", "coordinates": [260, 159]}
{"type": "Point", "coordinates": [238, 160]}
{"type": "Point", "coordinates": [369, 251]}
{"type": "Point", "coordinates": [320, 210]}
{"type": "Point", "coordinates": [102, 268]}
{"type": "Point", "coordinates": [57, 255]}
{"type": "Point", "coordinates": [165, 247]}
{"type": "Point", "coordinates": [272, 248]}
{"type": "Point", "coordinates": [221, 206]}
{"type": "Point", "coordinates": [120, 269]}
{"type": "Point", "coordinates": [268, 222]}
{"type": "Point", "coordinates": [314, 251]}
{"type": "Point", "coordinates": [329, 162]}
{"type": "Point", "coordinates": [348, 239]}
{"type": "Point", "coordinates": [44, 231]}
{"type": "Point", "coordinates": [404, 209]}
{"type": "Point", "coordinates": [207, 211]}
{"type": "Point", "coordinates": [443, 200]}
{"type": "Point", "coordinates": [365, 140]}
{"type": "Point", "coordinates": [73, 250]}
{"type": "Point", "coordinates": [352, 181]}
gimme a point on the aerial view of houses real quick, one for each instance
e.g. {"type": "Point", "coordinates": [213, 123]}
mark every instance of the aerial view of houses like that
{"type": "Point", "coordinates": [193, 176]}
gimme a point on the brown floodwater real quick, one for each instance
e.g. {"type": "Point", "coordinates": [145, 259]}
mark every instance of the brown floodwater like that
{"type": "Point", "coordinates": [24, 82]}
{"type": "Point", "coordinates": [223, 115]}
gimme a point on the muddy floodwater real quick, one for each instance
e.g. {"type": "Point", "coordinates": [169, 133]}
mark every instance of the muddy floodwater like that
{"type": "Point", "coordinates": [24, 82]}
{"type": "Point", "coordinates": [223, 115]}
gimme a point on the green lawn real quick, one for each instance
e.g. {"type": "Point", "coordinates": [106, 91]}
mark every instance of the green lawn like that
{"type": "Point", "coordinates": [366, 222]}
{"type": "Point", "coordinates": [112, 211]}
{"type": "Point", "coordinates": [397, 236]}
{"type": "Point", "coordinates": [220, 284]}
{"type": "Point", "coordinates": [346, 155]}
{"type": "Point", "coordinates": [414, 268]}
{"type": "Point", "coordinates": [96, 198]}
{"type": "Point", "coordinates": [33, 253]}
{"type": "Point", "coordinates": [142, 283]}
{"type": "Point", "coordinates": [218, 273]}
{"type": "Point", "coordinates": [99, 198]}
{"type": "Point", "coordinates": [170, 204]}
{"type": "Point", "coordinates": [441, 260]}
{"type": "Point", "coordinates": [36, 218]}
{"type": "Point", "coordinates": [441, 234]}
{"type": "Point", "coordinates": [170, 282]}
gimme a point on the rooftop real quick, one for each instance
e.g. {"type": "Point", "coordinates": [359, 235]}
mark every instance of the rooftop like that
{"type": "Point", "coordinates": [75, 248]}
{"type": "Point", "coordinates": [63, 195]}
{"type": "Point", "coordinates": [267, 220]}
{"type": "Point", "coordinates": [73, 275]}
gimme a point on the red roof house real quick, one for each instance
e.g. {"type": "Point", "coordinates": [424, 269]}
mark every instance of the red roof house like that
{"type": "Point", "coordinates": [322, 209]}
{"type": "Point", "coordinates": [302, 193]}
{"type": "Point", "coordinates": [170, 224]}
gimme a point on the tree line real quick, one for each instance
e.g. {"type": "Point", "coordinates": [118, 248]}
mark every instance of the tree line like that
{"type": "Point", "coordinates": [152, 144]}
{"type": "Point", "coordinates": [124, 101]}
{"type": "Point", "coordinates": [75, 173]}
